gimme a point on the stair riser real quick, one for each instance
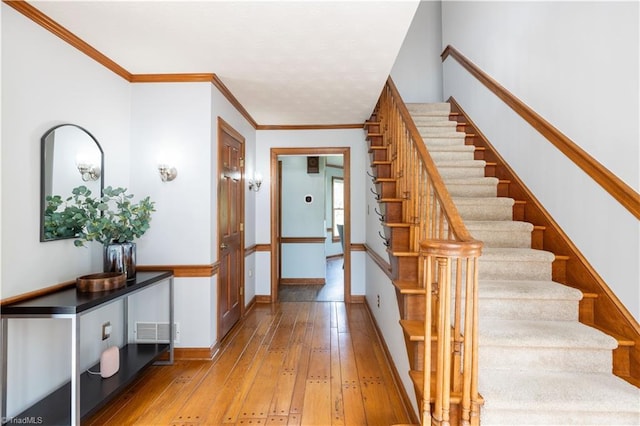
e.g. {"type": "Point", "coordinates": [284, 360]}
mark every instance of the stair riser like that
{"type": "Point", "coordinates": [457, 190]}
{"type": "Point", "coordinates": [461, 172]}
{"type": "Point", "coordinates": [485, 212]}
{"type": "Point", "coordinates": [544, 359]}
{"type": "Point", "coordinates": [442, 141]}
{"type": "Point", "coordinates": [525, 309]}
{"type": "Point", "coordinates": [440, 108]}
{"type": "Point", "coordinates": [451, 155]}
{"type": "Point", "coordinates": [502, 270]}
{"type": "Point", "coordinates": [503, 239]}
{"type": "Point", "coordinates": [436, 120]}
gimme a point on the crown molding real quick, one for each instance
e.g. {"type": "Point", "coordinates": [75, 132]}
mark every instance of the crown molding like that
{"type": "Point", "coordinates": [58, 30]}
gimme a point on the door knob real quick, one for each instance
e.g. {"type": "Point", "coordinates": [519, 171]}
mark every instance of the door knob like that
{"type": "Point", "coordinates": [223, 246]}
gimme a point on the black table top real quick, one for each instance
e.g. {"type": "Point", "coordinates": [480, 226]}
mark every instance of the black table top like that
{"type": "Point", "coordinates": [71, 301]}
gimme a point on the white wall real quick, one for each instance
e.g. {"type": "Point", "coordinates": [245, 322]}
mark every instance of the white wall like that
{"type": "Point", "coordinates": [46, 82]}
{"type": "Point", "coordinates": [302, 219]}
{"type": "Point", "coordinates": [576, 64]}
{"type": "Point", "coordinates": [417, 71]}
{"type": "Point", "coordinates": [179, 122]}
{"type": "Point", "coordinates": [268, 139]}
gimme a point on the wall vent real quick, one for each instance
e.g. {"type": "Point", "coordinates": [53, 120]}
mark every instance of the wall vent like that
{"type": "Point", "coordinates": [147, 332]}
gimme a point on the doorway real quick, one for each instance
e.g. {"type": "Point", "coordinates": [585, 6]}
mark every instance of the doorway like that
{"type": "Point", "coordinates": [305, 249]}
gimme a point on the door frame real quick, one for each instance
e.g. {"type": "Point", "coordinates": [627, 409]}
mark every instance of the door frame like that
{"type": "Point", "coordinates": [225, 127]}
{"type": "Point", "coordinates": [275, 212]}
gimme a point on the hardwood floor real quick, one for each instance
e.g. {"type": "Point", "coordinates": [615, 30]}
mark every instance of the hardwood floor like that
{"type": "Point", "coordinates": [291, 363]}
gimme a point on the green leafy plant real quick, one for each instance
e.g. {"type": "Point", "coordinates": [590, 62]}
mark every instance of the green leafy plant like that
{"type": "Point", "coordinates": [112, 218]}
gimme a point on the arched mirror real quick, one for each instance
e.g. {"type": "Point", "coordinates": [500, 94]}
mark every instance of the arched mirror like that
{"type": "Point", "coordinates": [70, 157]}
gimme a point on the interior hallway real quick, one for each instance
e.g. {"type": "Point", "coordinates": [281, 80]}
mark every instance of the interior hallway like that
{"type": "Point", "coordinates": [331, 291]}
{"type": "Point", "coordinates": [302, 363]}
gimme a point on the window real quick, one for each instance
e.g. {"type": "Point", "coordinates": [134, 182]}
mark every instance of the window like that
{"type": "Point", "coordinates": [337, 204]}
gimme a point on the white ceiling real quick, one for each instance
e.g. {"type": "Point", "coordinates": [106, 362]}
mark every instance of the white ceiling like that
{"type": "Point", "coordinates": [287, 62]}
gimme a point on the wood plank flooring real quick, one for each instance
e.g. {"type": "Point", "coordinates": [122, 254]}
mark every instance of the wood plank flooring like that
{"type": "Point", "coordinates": [290, 363]}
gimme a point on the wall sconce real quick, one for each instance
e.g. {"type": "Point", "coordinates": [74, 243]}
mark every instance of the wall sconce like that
{"type": "Point", "coordinates": [88, 171]}
{"type": "Point", "coordinates": [255, 182]}
{"type": "Point", "coordinates": [167, 173]}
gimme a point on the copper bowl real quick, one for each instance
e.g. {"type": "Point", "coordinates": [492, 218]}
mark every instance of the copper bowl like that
{"type": "Point", "coordinates": [100, 282]}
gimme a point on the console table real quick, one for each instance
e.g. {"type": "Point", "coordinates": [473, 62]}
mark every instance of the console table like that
{"type": "Point", "coordinates": [84, 394]}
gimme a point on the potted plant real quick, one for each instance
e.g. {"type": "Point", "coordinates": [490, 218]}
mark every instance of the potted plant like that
{"type": "Point", "coordinates": [113, 220]}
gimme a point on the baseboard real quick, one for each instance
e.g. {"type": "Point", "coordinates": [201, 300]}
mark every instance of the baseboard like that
{"type": "Point", "coordinates": [358, 298]}
{"type": "Point", "coordinates": [406, 401]}
{"type": "Point", "coordinates": [263, 298]}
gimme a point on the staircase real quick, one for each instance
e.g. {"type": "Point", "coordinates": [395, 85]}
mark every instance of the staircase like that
{"type": "Point", "coordinates": [537, 363]}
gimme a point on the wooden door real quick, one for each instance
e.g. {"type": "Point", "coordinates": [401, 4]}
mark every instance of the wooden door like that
{"type": "Point", "coordinates": [230, 227]}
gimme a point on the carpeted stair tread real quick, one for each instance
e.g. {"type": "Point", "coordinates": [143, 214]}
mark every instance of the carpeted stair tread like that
{"type": "Point", "coordinates": [436, 120]}
{"type": "Point", "coordinates": [452, 148]}
{"type": "Point", "coordinates": [501, 233]}
{"type": "Point", "coordinates": [485, 187]}
{"type": "Point", "coordinates": [550, 334]}
{"type": "Point", "coordinates": [438, 132]}
{"type": "Point", "coordinates": [436, 108]}
{"type": "Point", "coordinates": [527, 299]}
{"type": "Point", "coordinates": [516, 255]}
{"type": "Point", "coordinates": [527, 290]}
{"type": "Point", "coordinates": [529, 392]}
{"type": "Point", "coordinates": [442, 140]}
{"type": "Point", "coordinates": [484, 208]}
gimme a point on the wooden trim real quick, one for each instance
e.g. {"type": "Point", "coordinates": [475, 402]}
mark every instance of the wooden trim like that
{"type": "Point", "coordinates": [37, 293]}
{"type": "Point", "coordinates": [233, 100]}
{"type": "Point", "coordinates": [308, 126]}
{"type": "Point", "coordinates": [58, 30]}
{"type": "Point", "coordinates": [249, 250]}
{"type": "Point", "coordinates": [263, 298]}
{"type": "Point", "coordinates": [608, 314]}
{"type": "Point", "coordinates": [358, 298]}
{"type": "Point", "coordinates": [378, 260]}
{"type": "Point", "coordinates": [180, 271]}
{"type": "Point", "coordinates": [172, 78]}
{"type": "Point", "coordinates": [406, 401]}
{"type": "Point", "coordinates": [302, 281]}
{"type": "Point", "coordinates": [358, 247]}
{"type": "Point", "coordinates": [303, 240]}
{"type": "Point", "coordinates": [263, 247]}
{"type": "Point", "coordinates": [617, 188]}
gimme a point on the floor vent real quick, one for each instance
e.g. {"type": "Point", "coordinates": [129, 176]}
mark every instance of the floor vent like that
{"type": "Point", "coordinates": [156, 332]}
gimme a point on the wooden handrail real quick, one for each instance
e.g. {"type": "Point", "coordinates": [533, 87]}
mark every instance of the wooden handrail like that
{"type": "Point", "coordinates": [429, 226]}
{"type": "Point", "coordinates": [454, 219]}
{"type": "Point", "coordinates": [618, 189]}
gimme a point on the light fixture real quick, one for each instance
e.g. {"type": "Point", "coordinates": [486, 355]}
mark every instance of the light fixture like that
{"type": "Point", "coordinates": [255, 182]}
{"type": "Point", "coordinates": [88, 171]}
{"type": "Point", "coordinates": [167, 173]}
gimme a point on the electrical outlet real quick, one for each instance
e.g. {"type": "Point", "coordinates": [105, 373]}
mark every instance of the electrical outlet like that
{"type": "Point", "coordinates": [378, 296]}
{"type": "Point", "coordinates": [106, 330]}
